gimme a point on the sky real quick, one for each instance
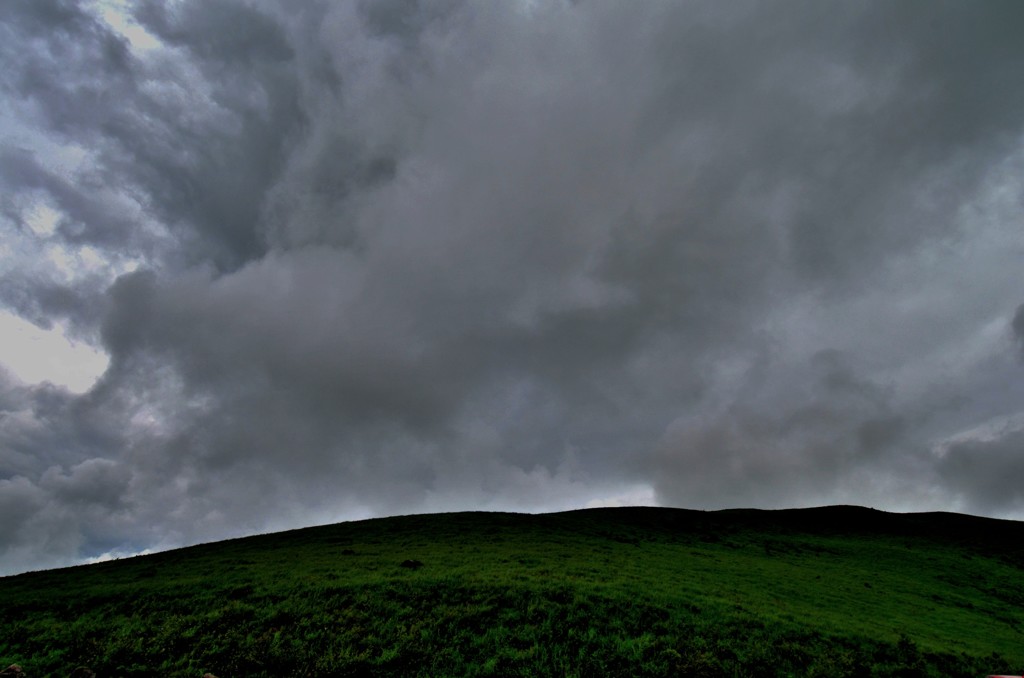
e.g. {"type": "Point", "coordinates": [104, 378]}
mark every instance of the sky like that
{"type": "Point", "coordinates": [273, 263]}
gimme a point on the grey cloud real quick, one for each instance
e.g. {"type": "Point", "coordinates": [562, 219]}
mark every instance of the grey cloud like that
{"type": "Point", "coordinates": [198, 150]}
{"type": "Point", "coordinates": [21, 502]}
{"type": "Point", "coordinates": [881, 433]}
{"type": "Point", "coordinates": [404, 20]}
{"type": "Point", "coordinates": [232, 33]}
{"type": "Point", "coordinates": [1017, 326]}
{"type": "Point", "coordinates": [87, 220]}
{"type": "Point", "coordinates": [61, 495]}
{"type": "Point", "coordinates": [394, 255]}
{"type": "Point", "coordinates": [44, 301]}
{"type": "Point", "coordinates": [986, 473]}
{"type": "Point", "coordinates": [99, 482]}
{"type": "Point", "coordinates": [45, 426]}
{"type": "Point", "coordinates": [75, 72]}
{"type": "Point", "coordinates": [829, 433]}
{"type": "Point", "coordinates": [262, 327]}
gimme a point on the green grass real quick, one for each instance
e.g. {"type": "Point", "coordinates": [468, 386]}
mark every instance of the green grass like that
{"type": "Point", "coordinates": [820, 592]}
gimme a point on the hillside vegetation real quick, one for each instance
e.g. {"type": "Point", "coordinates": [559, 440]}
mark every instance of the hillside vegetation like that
{"type": "Point", "coordinates": [836, 591]}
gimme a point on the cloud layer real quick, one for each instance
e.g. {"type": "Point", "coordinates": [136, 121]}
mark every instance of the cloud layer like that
{"type": "Point", "coordinates": [372, 257]}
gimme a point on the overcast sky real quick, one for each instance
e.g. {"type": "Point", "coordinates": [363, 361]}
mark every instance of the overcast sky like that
{"type": "Point", "coordinates": [266, 264]}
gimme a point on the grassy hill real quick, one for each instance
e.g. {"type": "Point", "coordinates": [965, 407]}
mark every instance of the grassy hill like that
{"type": "Point", "coordinates": [837, 591]}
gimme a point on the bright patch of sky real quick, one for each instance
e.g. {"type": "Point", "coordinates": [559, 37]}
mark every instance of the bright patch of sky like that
{"type": "Point", "coordinates": [116, 555]}
{"type": "Point", "coordinates": [42, 219]}
{"type": "Point", "coordinates": [36, 355]}
{"type": "Point", "coordinates": [635, 495]}
{"type": "Point", "coordinates": [117, 13]}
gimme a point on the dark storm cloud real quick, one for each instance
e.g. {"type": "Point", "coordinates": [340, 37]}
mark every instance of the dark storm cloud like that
{"type": "Point", "coordinates": [987, 472]}
{"type": "Point", "coordinates": [221, 33]}
{"type": "Point", "coordinates": [1017, 325]}
{"type": "Point", "coordinates": [60, 494]}
{"type": "Point", "coordinates": [778, 448]}
{"type": "Point", "coordinates": [394, 255]}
